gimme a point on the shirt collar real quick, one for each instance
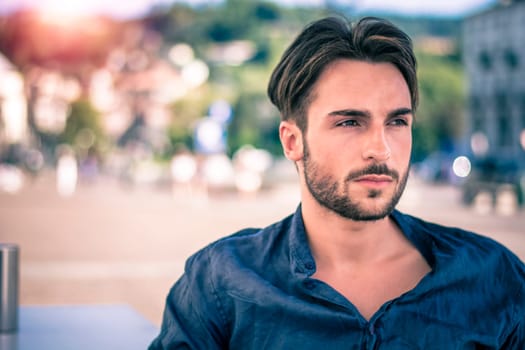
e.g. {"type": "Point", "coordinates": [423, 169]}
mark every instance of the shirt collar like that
{"type": "Point", "coordinates": [419, 238]}
{"type": "Point", "coordinates": [302, 261]}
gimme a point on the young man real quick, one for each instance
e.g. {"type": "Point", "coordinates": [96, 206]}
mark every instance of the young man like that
{"type": "Point", "coordinates": [348, 271]}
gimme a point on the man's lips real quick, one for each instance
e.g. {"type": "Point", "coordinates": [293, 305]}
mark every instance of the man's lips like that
{"type": "Point", "coordinates": [374, 180]}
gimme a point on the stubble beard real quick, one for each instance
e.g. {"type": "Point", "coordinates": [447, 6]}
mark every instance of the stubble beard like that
{"type": "Point", "coordinates": [336, 197]}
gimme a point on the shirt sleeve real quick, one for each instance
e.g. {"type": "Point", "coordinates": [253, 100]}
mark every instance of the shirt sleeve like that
{"type": "Point", "coordinates": [192, 318]}
{"type": "Point", "coordinates": [516, 339]}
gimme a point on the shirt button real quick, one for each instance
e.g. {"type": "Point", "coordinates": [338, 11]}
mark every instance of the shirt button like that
{"type": "Point", "coordinates": [309, 266]}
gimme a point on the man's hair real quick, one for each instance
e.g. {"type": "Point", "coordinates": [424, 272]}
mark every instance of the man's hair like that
{"type": "Point", "coordinates": [326, 40]}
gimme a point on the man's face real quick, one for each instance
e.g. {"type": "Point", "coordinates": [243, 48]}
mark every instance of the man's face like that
{"type": "Point", "coordinates": [356, 149]}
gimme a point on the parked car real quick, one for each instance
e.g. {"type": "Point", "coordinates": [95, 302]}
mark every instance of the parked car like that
{"type": "Point", "coordinates": [491, 175]}
{"type": "Point", "coordinates": [437, 167]}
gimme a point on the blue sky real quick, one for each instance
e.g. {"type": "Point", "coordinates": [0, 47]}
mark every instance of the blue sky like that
{"type": "Point", "coordinates": [134, 8]}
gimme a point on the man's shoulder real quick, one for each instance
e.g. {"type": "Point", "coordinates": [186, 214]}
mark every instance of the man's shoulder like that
{"type": "Point", "coordinates": [252, 237]}
{"type": "Point", "coordinates": [476, 253]}
{"type": "Point", "coordinates": [450, 236]}
{"type": "Point", "coordinates": [454, 245]}
{"type": "Point", "coordinates": [242, 246]}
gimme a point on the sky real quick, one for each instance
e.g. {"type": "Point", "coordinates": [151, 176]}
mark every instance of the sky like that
{"type": "Point", "coordinates": [136, 8]}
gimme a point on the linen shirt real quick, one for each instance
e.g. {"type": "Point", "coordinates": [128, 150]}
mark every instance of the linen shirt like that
{"type": "Point", "coordinates": [254, 290]}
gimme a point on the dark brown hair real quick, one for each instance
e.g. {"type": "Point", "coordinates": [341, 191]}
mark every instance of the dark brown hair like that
{"type": "Point", "coordinates": [326, 40]}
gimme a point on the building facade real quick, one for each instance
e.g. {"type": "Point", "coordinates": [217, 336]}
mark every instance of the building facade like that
{"type": "Point", "coordinates": [494, 57]}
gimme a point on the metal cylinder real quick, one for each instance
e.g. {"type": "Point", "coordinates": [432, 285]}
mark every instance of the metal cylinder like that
{"type": "Point", "coordinates": [8, 287]}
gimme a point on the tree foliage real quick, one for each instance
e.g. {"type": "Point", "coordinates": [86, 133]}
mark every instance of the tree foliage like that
{"type": "Point", "coordinates": [440, 116]}
{"type": "Point", "coordinates": [83, 123]}
{"type": "Point", "coordinates": [268, 27]}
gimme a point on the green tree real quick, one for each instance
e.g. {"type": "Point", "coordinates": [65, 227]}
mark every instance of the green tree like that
{"type": "Point", "coordinates": [83, 129]}
{"type": "Point", "coordinates": [255, 123]}
{"type": "Point", "coordinates": [440, 116]}
{"type": "Point", "coordinates": [185, 113]}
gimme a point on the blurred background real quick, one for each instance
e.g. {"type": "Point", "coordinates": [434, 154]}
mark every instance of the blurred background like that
{"type": "Point", "coordinates": [132, 135]}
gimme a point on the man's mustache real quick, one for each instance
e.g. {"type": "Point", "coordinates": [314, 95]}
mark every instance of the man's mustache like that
{"type": "Point", "coordinates": [373, 169]}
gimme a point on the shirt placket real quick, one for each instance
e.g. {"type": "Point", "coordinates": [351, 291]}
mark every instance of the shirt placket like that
{"type": "Point", "coordinates": [371, 329]}
{"type": "Point", "coordinates": [371, 339]}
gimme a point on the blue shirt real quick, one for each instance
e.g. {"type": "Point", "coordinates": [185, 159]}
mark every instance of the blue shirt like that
{"type": "Point", "coordinates": [253, 290]}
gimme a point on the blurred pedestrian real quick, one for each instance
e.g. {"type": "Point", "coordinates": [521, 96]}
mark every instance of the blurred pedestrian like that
{"type": "Point", "coordinates": [66, 171]}
{"type": "Point", "coordinates": [183, 168]}
{"type": "Point", "coordinates": [347, 270]}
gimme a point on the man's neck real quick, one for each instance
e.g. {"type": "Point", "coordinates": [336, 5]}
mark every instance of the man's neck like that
{"type": "Point", "coordinates": [335, 240]}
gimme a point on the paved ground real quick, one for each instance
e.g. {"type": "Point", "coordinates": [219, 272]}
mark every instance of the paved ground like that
{"type": "Point", "coordinates": [112, 244]}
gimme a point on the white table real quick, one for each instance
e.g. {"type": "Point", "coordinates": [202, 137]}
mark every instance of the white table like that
{"type": "Point", "coordinates": [79, 327]}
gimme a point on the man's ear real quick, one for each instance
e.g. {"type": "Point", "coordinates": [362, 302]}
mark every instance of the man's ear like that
{"type": "Point", "coordinates": [291, 140]}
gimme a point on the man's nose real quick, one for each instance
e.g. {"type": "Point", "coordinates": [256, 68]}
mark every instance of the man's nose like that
{"type": "Point", "coordinates": [376, 146]}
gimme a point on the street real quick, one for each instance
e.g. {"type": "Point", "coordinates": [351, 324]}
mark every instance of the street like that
{"type": "Point", "coordinates": [114, 244]}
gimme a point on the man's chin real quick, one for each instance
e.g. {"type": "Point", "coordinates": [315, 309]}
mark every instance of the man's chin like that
{"type": "Point", "coordinates": [362, 214]}
{"type": "Point", "coordinates": [371, 216]}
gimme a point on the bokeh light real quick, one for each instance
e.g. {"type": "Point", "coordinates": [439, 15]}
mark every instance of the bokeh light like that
{"type": "Point", "coordinates": [461, 166]}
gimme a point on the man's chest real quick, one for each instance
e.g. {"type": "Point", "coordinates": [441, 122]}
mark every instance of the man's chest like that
{"type": "Point", "coordinates": [370, 287]}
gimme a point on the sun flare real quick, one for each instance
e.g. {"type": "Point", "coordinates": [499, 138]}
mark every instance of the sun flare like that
{"type": "Point", "coordinates": [61, 12]}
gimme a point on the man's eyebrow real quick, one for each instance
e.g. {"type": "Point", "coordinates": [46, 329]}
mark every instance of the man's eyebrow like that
{"type": "Point", "coordinates": [364, 113]}
{"type": "Point", "coordinates": [350, 113]}
{"type": "Point", "coordinates": [400, 111]}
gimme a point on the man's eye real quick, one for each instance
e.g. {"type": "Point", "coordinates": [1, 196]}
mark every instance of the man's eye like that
{"type": "Point", "coordinates": [348, 122]}
{"type": "Point", "coordinates": [399, 122]}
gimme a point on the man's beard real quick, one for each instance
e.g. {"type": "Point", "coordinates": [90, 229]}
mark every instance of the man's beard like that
{"type": "Point", "coordinates": [335, 196]}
